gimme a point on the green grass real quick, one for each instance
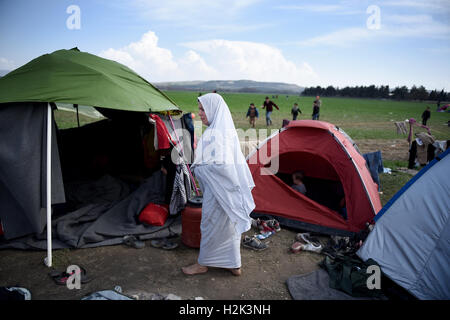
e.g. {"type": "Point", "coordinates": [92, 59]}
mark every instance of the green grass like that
{"type": "Point", "coordinates": [391, 184]}
{"type": "Point", "coordinates": [67, 119]}
{"type": "Point", "coordinates": [360, 118]}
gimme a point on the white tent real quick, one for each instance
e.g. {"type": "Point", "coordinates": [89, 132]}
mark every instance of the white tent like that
{"type": "Point", "coordinates": [411, 238]}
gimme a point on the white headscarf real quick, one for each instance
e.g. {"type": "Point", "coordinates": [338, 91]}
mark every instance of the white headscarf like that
{"type": "Point", "coordinates": [228, 174]}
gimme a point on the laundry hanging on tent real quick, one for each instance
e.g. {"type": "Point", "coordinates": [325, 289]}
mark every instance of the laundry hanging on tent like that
{"type": "Point", "coordinates": [375, 163]}
{"type": "Point", "coordinates": [401, 127]}
{"type": "Point", "coordinates": [181, 187]}
{"type": "Point", "coordinates": [412, 122]}
{"type": "Point", "coordinates": [162, 139]}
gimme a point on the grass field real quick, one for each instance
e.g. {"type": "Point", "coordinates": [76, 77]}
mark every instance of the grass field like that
{"type": "Point", "coordinates": [368, 122]}
{"type": "Point", "coordinates": [360, 118]}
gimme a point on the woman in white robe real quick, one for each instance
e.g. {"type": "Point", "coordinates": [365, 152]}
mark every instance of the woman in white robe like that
{"type": "Point", "coordinates": [226, 182]}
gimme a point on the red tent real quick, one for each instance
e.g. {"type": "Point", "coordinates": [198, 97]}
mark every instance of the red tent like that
{"type": "Point", "coordinates": [328, 157]}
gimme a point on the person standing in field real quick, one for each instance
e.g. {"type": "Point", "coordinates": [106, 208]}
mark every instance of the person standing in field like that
{"type": "Point", "coordinates": [295, 111]}
{"type": "Point", "coordinates": [268, 105]}
{"type": "Point", "coordinates": [426, 115]}
{"type": "Point", "coordinates": [316, 108]}
{"type": "Point", "coordinates": [226, 183]}
{"type": "Point", "coordinates": [252, 113]}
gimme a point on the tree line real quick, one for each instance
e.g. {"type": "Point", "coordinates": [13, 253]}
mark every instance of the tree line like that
{"type": "Point", "coordinates": [384, 92]}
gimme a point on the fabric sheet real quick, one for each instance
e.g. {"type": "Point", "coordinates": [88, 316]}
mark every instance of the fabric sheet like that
{"type": "Point", "coordinates": [104, 222]}
{"type": "Point", "coordinates": [375, 163]}
{"type": "Point", "coordinates": [315, 286]}
{"type": "Point", "coordinates": [23, 168]}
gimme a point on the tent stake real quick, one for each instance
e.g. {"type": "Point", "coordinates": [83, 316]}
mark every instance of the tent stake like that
{"type": "Point", "coordinates": [48, 260]}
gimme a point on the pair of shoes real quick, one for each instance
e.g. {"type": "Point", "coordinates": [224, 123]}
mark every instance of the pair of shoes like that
{"type": "Point", "coordinates": [273, 224]}
{"type": "Point", "coordinates": [133, 242]}
{"type": "Point", "coordinates": [61, 278]}
{"type": "Point", "coordinates": [253, 243]}
{"type": "Point", "coordinates": [264, 235]}
{"type": "Point", "coordinates": [306, 243]}
{"type": "Point", "coordinates": [263, 226]}
{"type": "Point", "coordinates": [164, 244]}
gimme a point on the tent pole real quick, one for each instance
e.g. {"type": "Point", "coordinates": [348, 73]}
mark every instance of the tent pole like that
{"type": "Point", "coordinates": [78, 116]}
{"type": "Point", "coordinates": [48, 260]}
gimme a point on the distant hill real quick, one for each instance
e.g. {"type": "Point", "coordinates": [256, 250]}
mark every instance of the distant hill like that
{"type": "Point", "coordinates": [231, 86]}
{"type": "Point", "coordinates": [3, 72]}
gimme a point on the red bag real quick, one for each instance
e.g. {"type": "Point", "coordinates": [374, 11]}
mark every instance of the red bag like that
{"type": "Point", "coordinates": [154, 214]}
{"type": "Point", "coordinates": [1, 229]}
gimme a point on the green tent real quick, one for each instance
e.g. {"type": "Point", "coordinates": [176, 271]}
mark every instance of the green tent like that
{"type": "Point", "coordinates": [75, 77]}
{"type": "Point", "coordinates": [32, 180]}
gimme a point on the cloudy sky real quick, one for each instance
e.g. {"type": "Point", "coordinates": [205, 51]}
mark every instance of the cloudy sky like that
{"type": "Point", "coordinates": [309, 43]}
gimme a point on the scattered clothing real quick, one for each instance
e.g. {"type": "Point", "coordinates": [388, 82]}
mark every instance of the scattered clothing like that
{"type": "Point", "coordinates": [181, 186]}
{"type": "Point", "coordinates": [412, 122]}
{"type": "Point", "coordinates": [162, 139]}
{"type": "Point", "coordinates": [401, 127]}
{"type": "Point", "coordinates": [315, 286]}
{"type": "Point", "coordinates": [14, 294]}
{"type": "Point", "coordinates": [108, 295]}
{"type": "Point", "coordinates": [375, 163]}
{"type": "Point", "coordinates": [188, 122]}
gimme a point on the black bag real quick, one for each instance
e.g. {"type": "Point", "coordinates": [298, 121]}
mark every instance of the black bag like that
{"type": "Point", "coordinates": [349, 274]}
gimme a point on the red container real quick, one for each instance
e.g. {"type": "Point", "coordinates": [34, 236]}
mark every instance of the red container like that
{"type": "Point", "coordinates": [191, 217]}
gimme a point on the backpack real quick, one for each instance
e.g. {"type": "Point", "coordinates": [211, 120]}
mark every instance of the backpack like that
{"type": "Point", "coordinates": [349, 274]}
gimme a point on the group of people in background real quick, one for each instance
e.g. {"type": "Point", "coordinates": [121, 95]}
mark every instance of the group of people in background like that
{"type": "Point", "coordinates": [253, 113]}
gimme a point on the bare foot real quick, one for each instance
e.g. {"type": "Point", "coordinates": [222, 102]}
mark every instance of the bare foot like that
{"type": "Point", "coordinates": [236, 272]}
{"type": "Point", "coordinates": [194, 269]}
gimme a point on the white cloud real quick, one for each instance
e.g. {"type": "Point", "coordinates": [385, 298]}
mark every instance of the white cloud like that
{"type": "Point", "coordinates": [211, 60]}
{"type": "Point", "coordinates": [6, 64]}
{"type": "Point", "coordinates": [392, 26]}
{"type": "Point", "coordinates": [251, 60]}
{"type": "Point", "coordinates": [145, 57]}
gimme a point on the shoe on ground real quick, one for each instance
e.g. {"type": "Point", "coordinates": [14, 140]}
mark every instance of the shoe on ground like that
{"type": "Point", "coordinates": [253, 243]}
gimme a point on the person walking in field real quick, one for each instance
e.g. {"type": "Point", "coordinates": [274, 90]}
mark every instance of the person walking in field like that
{"type": "Point", "coordinates": [295, 111]}
{"type": "Point", "coordinates": [252, 113]}
{"type": "Point", "coordinates": [268, 105]}
{"type": "Point", "coordinates": [316, 108]}
{"type": "Point", "coordinates": [226, 183]}
{"type": "Point", "coordinates": [426, 115]}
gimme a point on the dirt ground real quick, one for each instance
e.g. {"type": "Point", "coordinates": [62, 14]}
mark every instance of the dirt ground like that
{"type": "Point", "coordinates": [155, 271]}
{"type": "Point", "coordinates": [151, 270]}
{"type": "Point", "coordinates": [391, 149]}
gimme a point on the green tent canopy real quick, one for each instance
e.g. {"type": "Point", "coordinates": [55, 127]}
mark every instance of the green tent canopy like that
{"type": "Point", "coordinates": [75, 77]}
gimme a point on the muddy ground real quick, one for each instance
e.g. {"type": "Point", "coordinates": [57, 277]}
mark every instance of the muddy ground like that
{"type": "Point", "coordinates": [151, 270]}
